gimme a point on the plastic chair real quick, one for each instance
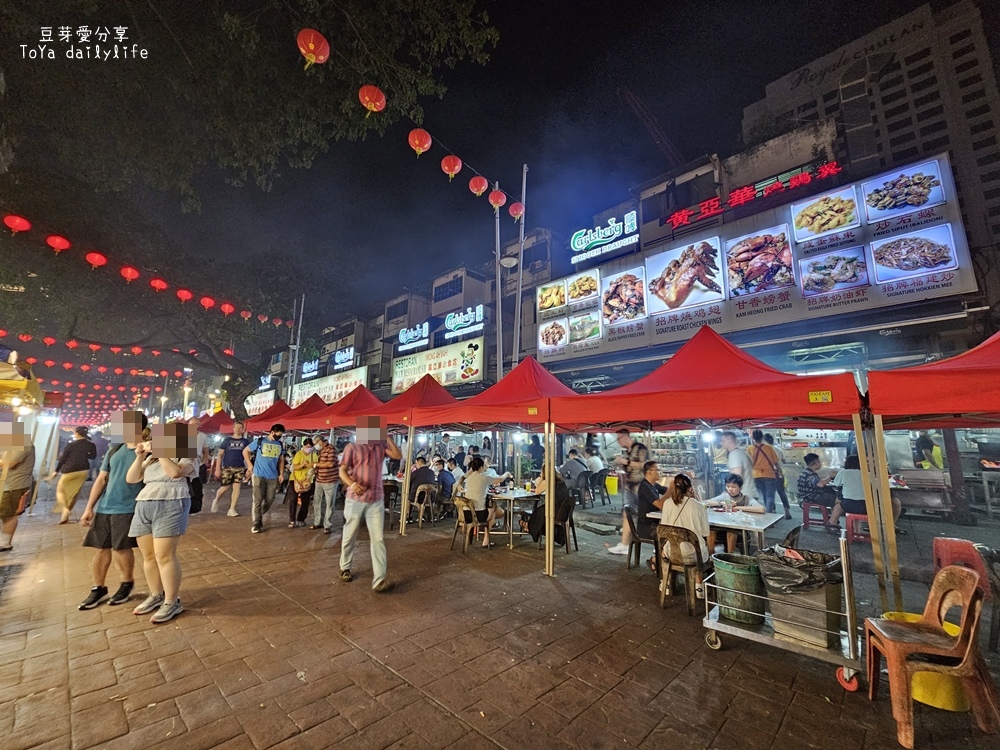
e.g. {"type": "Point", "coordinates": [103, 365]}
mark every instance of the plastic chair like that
{"type": "Point", "coordinates": [670, 538]}
{"type": "Point", "coordinates": [808, 520]}
{"type": "Point", "coordinates": [583, 487]}
{"type": "Point", "coordinates": [853, 523]}
{"type": "Point", "coordinates": [564, 518]}
{"type": "Point", "coordinates": [792, 538]}
{"type": "Point", "coordinates": [906, 647]}
{"type": "Point", "coordinates": [991, 557]}
{"type": "Point", "coordinates": [637, 541]}
{"type": "Point", "coordinates": [425, 498]}
{"type": "Point", "coordinates": [390, 494]}
{"type": "Point", "coordinates": [948, 551]}
{"type": "Point", "coordinates": [465, 518]}
{"type": "Point", "coordinates": [599, 487]}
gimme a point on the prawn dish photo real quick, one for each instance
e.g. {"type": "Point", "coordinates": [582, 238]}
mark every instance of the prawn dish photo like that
{"type": "Point", "coordinates": [845, 269]}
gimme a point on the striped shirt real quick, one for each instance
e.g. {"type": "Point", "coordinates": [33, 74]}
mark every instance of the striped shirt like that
{"type": "Point", "coordinates": [327, 470]}
{"type": "Point", "coordinates": [364, 466]}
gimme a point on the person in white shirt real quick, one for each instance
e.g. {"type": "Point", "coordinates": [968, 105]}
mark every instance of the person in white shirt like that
{"type": "Point", "coordinates": [474, 487]}
{"type": "Point", "coordinates": [739, 463]}
{"type": "Point", "coordinates": [683, 509]}
{"type": "Point", "coordinates": [851, 498]}
{"type": "Point", "coordinates": [455, 469]}
{"type": "Point", "coordinates": [492, 473]}
{"type": "Point", "coordinates": [594, 461]}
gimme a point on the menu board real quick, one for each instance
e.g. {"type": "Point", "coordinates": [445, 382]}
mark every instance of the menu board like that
{"type": "Point", "coordinates": [258, 403]}
{"type": "Point", "coordinates": [891, 239]}
{"type": "Point", "coordinates": [331, 388]}
{"type": "Point", "coordinates": [461, 362]}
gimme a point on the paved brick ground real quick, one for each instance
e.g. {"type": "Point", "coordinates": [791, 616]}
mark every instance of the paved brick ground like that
{"type": "Point", "coordinates": [472, 651]}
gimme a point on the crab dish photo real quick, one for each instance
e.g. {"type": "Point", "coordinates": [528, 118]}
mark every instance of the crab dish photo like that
{"type": "Point", "coordinates": [623, 299]}
{"type": "Point", "coordinates": [759, 263]}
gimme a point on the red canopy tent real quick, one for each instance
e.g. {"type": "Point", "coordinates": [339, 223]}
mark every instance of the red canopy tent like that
{"type": "Point", "coordinates": [710, 380]}
{"type": "Point", "coordinates": [215, 423]}
{"type": "Point", "coordinates": [360, 399]}
{"type": "Point", "coordinates": [267, 417]}
{"type": "Point", "coordinates": [521, 397]}
{"type": "Point", "coordinates": [399, 411]}
{"type": "Point", "coordinates": [311, 405]}
{"type": "Point", "coordinates": [957, 392]}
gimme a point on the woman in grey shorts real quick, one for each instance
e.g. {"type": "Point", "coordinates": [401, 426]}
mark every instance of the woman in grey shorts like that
{"type": "Point", "coordinates": [161, 516]}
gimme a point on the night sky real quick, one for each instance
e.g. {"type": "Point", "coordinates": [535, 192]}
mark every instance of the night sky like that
{"type": "Point", "coordinates": [550, 98]}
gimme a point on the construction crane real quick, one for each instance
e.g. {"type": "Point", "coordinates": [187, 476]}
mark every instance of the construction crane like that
{"type": "Point", "coordinates": [648, 119]}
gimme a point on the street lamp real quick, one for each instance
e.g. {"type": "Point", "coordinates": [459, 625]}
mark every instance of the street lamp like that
{"type": "Point", "coordinates": [187, 391]}
{"type": "Point", "coordinates": [163, 405]}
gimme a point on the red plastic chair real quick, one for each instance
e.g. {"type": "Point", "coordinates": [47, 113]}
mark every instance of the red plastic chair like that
{"type": "Point", "coordinates": [925, 646]}
{"type": "Point", "coordinates": [948, 551]}
{"type": "Point", "coordinates": [808, 520]}
{"type": "Point", "coordinates": [854, 532]}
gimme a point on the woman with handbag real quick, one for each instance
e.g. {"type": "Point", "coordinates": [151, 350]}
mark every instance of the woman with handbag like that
{"type": "Point", "coordinates": [765, 469]}
{"type": "Point", "coordinates": [302, 484]}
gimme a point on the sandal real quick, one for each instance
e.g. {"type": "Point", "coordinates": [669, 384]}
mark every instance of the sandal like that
{"type": "Point", "coordinates": [832, 528]}
{"type": "Point", "coordinates": [651, 562]}
{"type": "Point", "coordinates": [291, 525]}
{"type": "Point", "coordinates": [524, 526]}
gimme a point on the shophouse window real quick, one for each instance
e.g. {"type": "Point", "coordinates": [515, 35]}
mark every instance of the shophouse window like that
{"type": "Point", "coordinates": [962, 51]}
{"type": "Point", "coordinates": [919, 70]}
{"type": "Point", "coordinates": [980, 110]}
{"type": "Point", "coordinates": [448, 289]}
{"type": "Point", "coordinates": [956, 38]}
{"type": "Point", "coordinates": [901, 139]}
{"type": "Point", "coordinates": [884, 85]}
{"type": "Point", "coordinates": [995, 211]}
{"type": "Point", "coordinates": [917, 56]}
{"type": "Point", "coordinates": [984, 161]}
{"type": "Point", "coordinates": [967, 65]}
{"type": "Point", "coordinates": [937, 143]}
{"type": "Point", "coordinates": [924, 84]}
{"type": "Point", "coordinates": [929, 113]}
{"type": "Point", "coordinates": [980, 145]}
{"type": "Point", "coordinates": [980, 127]}
{"type": "Point", "coordinates": [906, 153]}
{"type": "Point", "coordinates": [829, 96]}
{"type": "Point", "coordinates": [934, 127]}
{"type": "Point", "coordinates": [973, 95]}
{"type": "Point", "coordinates": [832, 109]}
{"type": "Point", "coordinates": [893, 97]}
{"type": "Point", "coordinates": [397, 310]}
{"type": "Point", "coordinates": [991, 194]}
{"type": "Point", "coordinates": [897, 110]}
{"type": "Point", "coordinates": [927, 99]}
{"type": "Point", "coordinates": [892, 127]}
{"type": "Point", "coordinates": [991, 176]}
{"type": "Point", "coordinates": [966, 82]}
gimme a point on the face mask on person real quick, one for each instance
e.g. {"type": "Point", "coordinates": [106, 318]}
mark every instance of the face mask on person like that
{"type": "Point", "coordinates": [307, 450]}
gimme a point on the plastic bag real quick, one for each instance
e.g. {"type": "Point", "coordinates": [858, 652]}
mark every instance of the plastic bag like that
{"type": "Point", "coordinates": [787, 575]}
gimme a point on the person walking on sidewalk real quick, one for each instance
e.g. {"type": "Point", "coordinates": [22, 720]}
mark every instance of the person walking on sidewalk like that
{"type": "Point", "coordinates": [765, 469]}
{"type": "Point", "coordinates": [268, 459]}
{"type": "Point", "coordinates": [769, 439]}
{"type": "Point", "coordinates": [301, 487]}
{"type": "Point", "coordinates": [74, 467]}
{"type": "Point", "coordinates": [109, 512]}
{"type": "Point", "coordinates": [231, 468]}
{"type": "Point", "coordinates": [327, 484]}
{"type": "Point", "coordinates": [17, 471]}
{"type": "Point", "coordinates": [361, 473]}
{"type": "Point", "coordinates": [161, 513]}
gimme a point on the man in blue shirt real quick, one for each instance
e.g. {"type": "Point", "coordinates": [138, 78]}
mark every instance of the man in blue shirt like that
{"type": "Point", "coordinates": [109, 511]}
{"type": "Point", "coordinates": [268, 458]}
{"type": "Point", "coordinates": [231, 467]}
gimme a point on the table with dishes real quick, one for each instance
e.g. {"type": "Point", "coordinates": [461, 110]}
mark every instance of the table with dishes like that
{"type": "Point", "coordinates": [510, 496]}
{"type": "Point", "coordinates": [745, 523]}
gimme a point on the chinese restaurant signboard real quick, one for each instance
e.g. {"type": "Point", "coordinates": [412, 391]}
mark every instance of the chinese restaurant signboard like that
{"type": "Point", "coordinates": [259, 402]}
{"type": "Point", "coordinates": [891, 239]}
{"type": "Point", "coordinates": [449, 365]}
{"type": "Point", "coordinates": [331, 388]}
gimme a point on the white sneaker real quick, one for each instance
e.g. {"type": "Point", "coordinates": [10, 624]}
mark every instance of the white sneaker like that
{"type": "Point", "coordinates": [215, 506]}
{"type": "Point", "coordinates": [618, 549]}
{"type": "Point", "coordinates": [232, 513]}
{"type": "Point", "coordinates": [151, 603]}
{"type": "Point", "coordinates": [167, 611]}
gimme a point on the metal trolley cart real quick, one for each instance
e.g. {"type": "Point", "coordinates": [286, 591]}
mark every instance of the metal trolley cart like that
{"type": "Point", "coordinates": [846, 652]}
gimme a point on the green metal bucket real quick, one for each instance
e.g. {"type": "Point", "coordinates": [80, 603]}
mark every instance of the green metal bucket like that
{"type": "Point", "coordinates": [741, 575]}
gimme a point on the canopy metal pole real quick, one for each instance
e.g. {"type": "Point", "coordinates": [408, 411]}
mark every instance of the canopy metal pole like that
{"type": "Point", "coordinates": [520, 274]}
{"type": "Point", "coordinates": [871, 478]}
{"type": "Point", "coordinates": [48, 449]}
{"type": "Point", "coordinates": [885, 519]}
{"type": "Point", "coordinates": [499, 296]}
{"type": "Point", "coordinates": [550, 498]}
{"type": "Point", "coordinates": [405, 499]}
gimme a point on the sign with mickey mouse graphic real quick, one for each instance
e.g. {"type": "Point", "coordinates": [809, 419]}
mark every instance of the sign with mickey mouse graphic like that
{"type": "Point", "coordinates": [449, 365]}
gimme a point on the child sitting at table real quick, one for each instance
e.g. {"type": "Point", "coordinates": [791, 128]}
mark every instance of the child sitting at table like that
{"type": "Point", "coordinates": [734, 498]}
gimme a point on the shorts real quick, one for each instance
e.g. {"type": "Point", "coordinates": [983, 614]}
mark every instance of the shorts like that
{"type": "Point", "coordinates": [854, 506]}
{"type": "Point", "coordinates": [9, 501]}
{"type": "Point", "coordinates": [161, 518]}
{"type": "Point", "coordinates": [110, 531]}
{"type": "Point", "coordinates": [233, 475]}
{"type": "Point", "coordinates": [482, 516]}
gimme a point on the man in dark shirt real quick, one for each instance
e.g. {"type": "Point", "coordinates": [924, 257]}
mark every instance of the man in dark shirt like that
{"type": "Point", "coordinates": [231, 468]}
{"type": "Point", "coordinates": [573, 468]}
{"type": "Point", "coordinates": [811, 487]}
{"type": "Point", "coordinates": [445, 479]}
{"type": "Point", "coordinates": [423, 474]}
{"type": "Point", "coordinates": [928, 452]}
{"type": "Point", "coordinates": [649, 497]}
{"type": "Point", "coordinates": [460, 458]}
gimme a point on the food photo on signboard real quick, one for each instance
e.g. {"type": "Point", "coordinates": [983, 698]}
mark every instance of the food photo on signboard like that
{"type": "Point", "coordinates": [553, 334]}
{"type": "Point", "coordinates": [834, 212]}
{"type": "Point", "coordinates": [835, 271]}
{"type": "Point", "coordinates": [904, 191]}
{"type": "Point", "coordinates": [685, 276]}
{"type": "Point", "coordinates": [551, 296]}
{"type": "Point", "coordinates": [760, 262]}
{"type": "Point", "coordinates": [928, 250]}
{"type": "Point", "coordinates": [583, 286]}
{"type": "Point", "coordinates": [623, 297]}
{"type": "Point", "coordinates": [584, 327]}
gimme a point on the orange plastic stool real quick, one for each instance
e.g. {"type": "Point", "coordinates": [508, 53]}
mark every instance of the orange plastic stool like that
{"type": "Point", "coordinates": [948, 551]}
{"type": "Point", "coordinates": [808, 520]}
{"type": "Point", "coordinates": [854, 532]}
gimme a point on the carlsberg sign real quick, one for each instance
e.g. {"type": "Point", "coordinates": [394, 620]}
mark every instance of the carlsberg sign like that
{"type": "Point", "coordinates": [590, 243]}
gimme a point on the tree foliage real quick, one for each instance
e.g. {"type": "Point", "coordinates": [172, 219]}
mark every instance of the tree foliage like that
{"type": "Point", "coordinates": [223, 85]}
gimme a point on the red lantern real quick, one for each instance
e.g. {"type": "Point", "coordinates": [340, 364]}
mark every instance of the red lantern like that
{"type": "Point", "coordinates": [177, 373]}
{"type": "Point", "coordinates": [451, 165]}
{"type": "Point", "coordinates": [158, 284]}
{"type": "Point", "coordinates": [57, 243]}
{"type": "Point", "coordinates": [67, 365]}
{"type": "Point", "coordinates": [48, 362]}
{"type": "Point", "coordinates": [163, 373]}
{"type": "Point", "coordinates": [85, 368]}
{"type": "Point", "coordinates": [102, 369]}
{"type": "Point", "coordinates": [41, 381]}
{"type": "Point", "coordinates": [420, 140]}
{"type": "Point", "coordinates": [118, 371]}
{"type": "Point", "coordinates": [158, 389]}
{"type": "Point", "coordinates": [129, 273]}
{"type": "Point", "coordinates": [16, 223]}
{"type": "Point", "coordinates": [277, 322]}
{"type": "Point", "coordinates": [478, 185]}
{"type": "Point", "coordinates": [246, 315]}
{"type": "Point", "coordinates": [227, 309]}
{"type": "Point", "coordinates": [31, 360]}
{"type": "Point", "coordinates": [290, 323]}
{"type": "Point", "coordinates": [136, 350]}
{"type": "Point", "coordinates": [134, 371]}
{"type": "Point", "coordinates": [149, 373]}
{"type": "Point", "coordinates": [372, 98]}
{"type": "Point", "coordinates": [184, 295]}
{"type": "Point", "coordinates": [497, 198]}
{"type": "Point", "coordinates": [25, 337]}
{"type": "Point", "coordinates": [228, 352]}
{"type": "Point", "coordinates": [96, 260]}
{"type": "Point", "coordinates": [2, 333]}
{"type": "Point", "coordinates": [93, 347]}
{"type": "Point", "coordinates": [313, 46]}
{"type": "Point", "coordinates": [48, 341]}
{"type": "Point", "coordinates": [121, 388]}
{"type": "Point", "coordinates": [262, 318]}
{"type": "Point", "coordinates": [207, 302]}
{"type": "Point", "coordinates": [115, 349]}
{"type": "Point", "coordinates": [155, 352]}
{"type": "Point", "coordinates": [72, 344]}
{"type": "Point", "coordinates": [516, 210]}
